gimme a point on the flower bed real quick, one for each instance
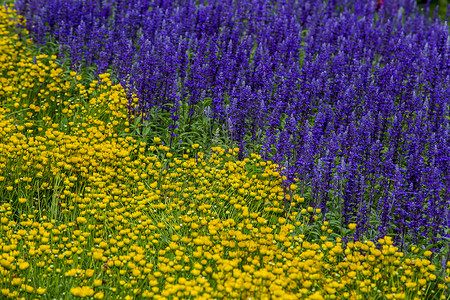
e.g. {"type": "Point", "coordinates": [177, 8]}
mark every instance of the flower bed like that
{"type": "Point", "coordinates": [91, 209]}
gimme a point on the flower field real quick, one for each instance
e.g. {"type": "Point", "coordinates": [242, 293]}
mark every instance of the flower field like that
{"type": "Point", "coordinates": [128, 172]}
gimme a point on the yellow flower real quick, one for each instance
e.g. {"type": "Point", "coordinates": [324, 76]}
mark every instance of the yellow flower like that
{"type": "Point", "coordinates": [22, 200]}
{"type": "Point", "coordinates": [71, 273]}
{"type": "Point", "coordinates": [24, 265]}
{"type": "Point", "coordinates": [97, 282]}
{"type": "Point", "coordinates": [84, 291]}
{"type": "Point", "coordinates": [352, 226]}
{"type": "Point", "coordinates": [81, 220]}
{"type": "Point", "coordinates": [352, 274]}
{"type": "Point", "coordinates": [97, 255]}
{"type": "Point", "coordinates": [76, 291]}
{"type": "Point", "coordinates": [173, 245]}
{"type": "Point", "coordinates": [28, 288]}
{"type": "Point", "coordinates": [422, 281]}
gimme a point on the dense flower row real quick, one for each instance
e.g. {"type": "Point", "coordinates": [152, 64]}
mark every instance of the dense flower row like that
{"type": "Point", "coordinates": [349, 97]}
{"type": "Point", "coordinates": [91, 213]}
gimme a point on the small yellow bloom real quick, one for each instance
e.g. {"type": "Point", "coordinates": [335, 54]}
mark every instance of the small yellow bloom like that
{"type": "Point", "coordinates": [97, 282]}
{"type": "Point", "coordinates": [28, 288]}
{"type": "Point", "coordinates": [173, 245]}
{"type": "Point", "coordinates": [81, 220]}
{"type": "Point", "coordinates": [422, 281]}
{"type": "Point", "coordinates": [351, 274]}
{"type": "Point", "coordinates": [24, 265]}
{"type": "Point", "coordinates": [22, 200]}
{"type": "Point", "coordinates": [97, 255]}
{"type": "Point", "coordinates": [352, 226]}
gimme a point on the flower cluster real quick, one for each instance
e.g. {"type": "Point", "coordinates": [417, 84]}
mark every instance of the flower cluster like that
{"type": "Point", "coordinates": [87, 211]}
{"type": "Point", "coordinates": [347, 96]}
